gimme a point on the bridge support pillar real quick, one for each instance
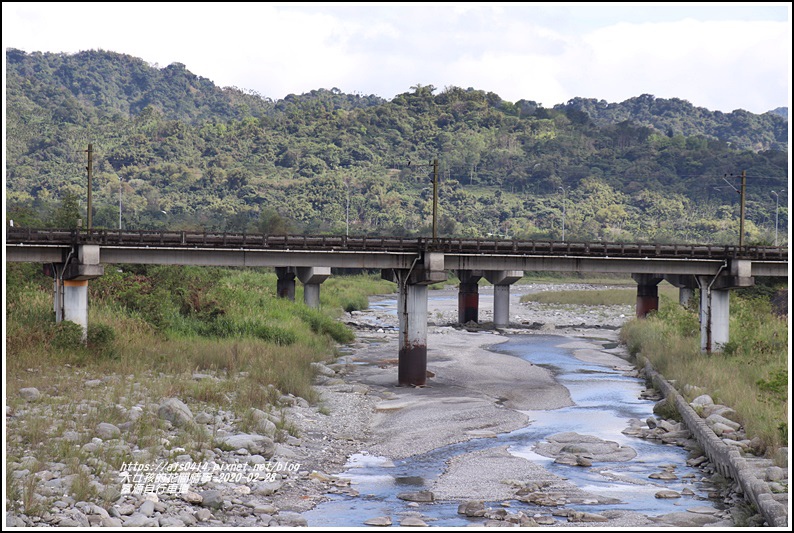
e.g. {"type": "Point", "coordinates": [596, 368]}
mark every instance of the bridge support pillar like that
{"type": "Point", "coordinates": [714, 316]}
{"type": "Point", "coordinates": [502, 279]}
{"type": "Point", "coordinates": [715, 302]}
{"type": "Point", "coordinates": [468, 295]}
{"type": "Point", "coordinates": [285, 286]}
{"type": "Point", "coordinates": [70, 284]}
{"type": "Point", "coordinates": [685, 296]}
{"type": "Point", "coordinates": [686, 287]}
{"type": "Point", "coordinates": [312, 277]}
{"type": "Point", "coordinates": [647, 293]}
{"type": "Point", "coordinates": [75, 303]}
{"type": "Point", "coordinates": [412, 314]}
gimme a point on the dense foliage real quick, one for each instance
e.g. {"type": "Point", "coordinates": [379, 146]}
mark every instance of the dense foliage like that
{"type": "Point", "coordinates": [172, 150]}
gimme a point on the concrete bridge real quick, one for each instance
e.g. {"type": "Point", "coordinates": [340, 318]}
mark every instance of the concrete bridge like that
{"type": "Point", "coordinates": [73, 257]}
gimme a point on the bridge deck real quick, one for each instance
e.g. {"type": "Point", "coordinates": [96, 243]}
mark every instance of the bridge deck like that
{"type": "Point", "coordinates": [249, 241]}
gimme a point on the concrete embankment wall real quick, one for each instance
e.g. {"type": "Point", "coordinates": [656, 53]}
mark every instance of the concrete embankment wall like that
{"type": "Point", "coordinates": [726, 459]}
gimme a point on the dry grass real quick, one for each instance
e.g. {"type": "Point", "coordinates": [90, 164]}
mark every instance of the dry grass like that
{"type": "Point", "coordinates": [747, 379]}
{"type": "Point", "coordinates": [612, 296]}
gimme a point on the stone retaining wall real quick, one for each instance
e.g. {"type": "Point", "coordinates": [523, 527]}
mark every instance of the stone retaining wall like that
{"type": "Point", "coordinates": [726, 459]}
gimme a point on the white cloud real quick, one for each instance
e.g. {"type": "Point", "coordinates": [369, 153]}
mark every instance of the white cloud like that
{"type": "Point", "coordinates": [717, 56]}
{"type": "Point", "coordinates": [713, 64]}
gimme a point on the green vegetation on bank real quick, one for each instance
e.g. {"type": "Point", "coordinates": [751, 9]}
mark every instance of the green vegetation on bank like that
{"type": "Point", "coordinates": [180, 320]}
{"type": "Point", "coordinates": [750, 375]}
{"type": "Point", "coordinates": [218, 339]}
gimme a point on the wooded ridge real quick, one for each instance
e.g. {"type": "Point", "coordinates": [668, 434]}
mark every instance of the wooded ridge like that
{"type": "Point", "coordinates": [172, 150]}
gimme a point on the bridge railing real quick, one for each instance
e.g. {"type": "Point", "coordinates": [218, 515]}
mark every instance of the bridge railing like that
{"type": "Point", "coordinates": [193, 239]}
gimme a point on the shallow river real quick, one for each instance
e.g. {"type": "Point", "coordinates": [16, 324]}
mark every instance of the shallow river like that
{"type": "Point", "coordinates": [604, 400]}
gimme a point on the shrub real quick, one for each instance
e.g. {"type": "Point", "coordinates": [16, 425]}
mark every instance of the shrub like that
{"type": "Point", "coordinates": [68, 335]}
{"type": "Point", "coordinates": [100, 336]}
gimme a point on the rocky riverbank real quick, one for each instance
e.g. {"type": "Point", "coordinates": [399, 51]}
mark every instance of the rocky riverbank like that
{"type": "Point", "coordinates": [269, 467]}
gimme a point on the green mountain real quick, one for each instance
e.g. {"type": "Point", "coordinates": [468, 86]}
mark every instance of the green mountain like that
{"type": "Point", "coordinates": [175, 151]}
{"type": "Point", "coordinates": [672, 116]}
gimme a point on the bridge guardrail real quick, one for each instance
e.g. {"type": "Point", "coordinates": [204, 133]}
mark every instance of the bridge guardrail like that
{"type": "Point", "coordinates": [188, 239]}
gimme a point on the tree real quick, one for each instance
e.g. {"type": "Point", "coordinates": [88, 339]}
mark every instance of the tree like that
{"type": "Point", "coordinates": [68, 213]}
{"type": "Point", "coordinates": [271, 223]}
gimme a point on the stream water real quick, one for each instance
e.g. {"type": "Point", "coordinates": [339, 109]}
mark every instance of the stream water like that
{"type": "Point", "coordinates": [604, 399]}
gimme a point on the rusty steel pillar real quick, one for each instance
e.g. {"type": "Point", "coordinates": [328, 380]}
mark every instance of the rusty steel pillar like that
{"type": "Point", "coordinates": [412, 314]}
{"type": "Point", "coordinates": [468, 295]}
{"type": "Point", "coordinates": [647, 293]}
{"type": "Point", "coordinates": [285, 287]}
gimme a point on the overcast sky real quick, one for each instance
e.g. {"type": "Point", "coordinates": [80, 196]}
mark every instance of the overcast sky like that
{"type": "Point", "coordinates": [721, 56]}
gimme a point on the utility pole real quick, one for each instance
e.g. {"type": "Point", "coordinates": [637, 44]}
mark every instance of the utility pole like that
{"type": "Point", "coordinates": [435, 199]}
{"type": "Point", "coordinates": [741, 219]}
{"type": "Point", "coordinates": [563, 213]}
{"type": "Point", "coordinates": [119, 203]}
{"type": "Point", "coordinates": [89, 169]}
{"type": "Point", "coordinates": [777, 197]}
{"type": "Point", "coordinates": [347, 209]}
{"type": "Point", "coordinates": [434, 164]}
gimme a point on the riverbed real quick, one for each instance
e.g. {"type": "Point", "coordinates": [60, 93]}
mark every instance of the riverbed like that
{"type": "Point", "coordinates": [483, 426]}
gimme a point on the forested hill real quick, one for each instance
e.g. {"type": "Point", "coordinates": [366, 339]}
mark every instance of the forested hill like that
{"type": "Point", "coordinates": [179, 152]}
{"type": "Point", "coordinates": [675, 116]}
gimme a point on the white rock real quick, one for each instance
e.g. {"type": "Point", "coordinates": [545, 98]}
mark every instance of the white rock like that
{"type": "Point", "coordinates": [175, 411]}
{"type": "Point", "coordinates": [30, 394]}
{"type": "Point", "coordinates": [702, 400]}
{"type": "Point", "coordinates": [378, 521]}
{"type": "Point", "coordinates": [107, 431]}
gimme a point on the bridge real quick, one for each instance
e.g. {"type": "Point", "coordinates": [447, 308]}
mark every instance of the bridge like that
{"type": "Point", "coordinates": [73, 257]}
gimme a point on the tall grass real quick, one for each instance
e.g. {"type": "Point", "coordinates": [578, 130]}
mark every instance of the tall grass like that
{"type": "Point", "coordinates": [177, 320]}
{"type": "Point", "coordinates": [350, 293]}
{"type": "Point", "coordinates": [750, 375]}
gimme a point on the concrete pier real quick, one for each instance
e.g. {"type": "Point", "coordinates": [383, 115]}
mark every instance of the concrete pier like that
{"type": "Point", "coordinates": [75, 303]}
{"type": "Point", "coordinates": [468, 295]}
{"type": "Point", "coordinates": [714, 317]}
{"type": "Point", "coordinates": [285, 286]}
{"type": "Point", "coordinates": [412, 314]}
{"type": "Point", "coordinates": [647, 293]}
{"type": "Point", "coordinates": [312, 278]}
{"type": "Point", "coordinates": [502, 279]}
{"type": "Point", "coordinates": [715, 302]}
{"type": "Point", "coordinates": [686, 287]}
{"type": "Point", "coordinates": [685, 295]}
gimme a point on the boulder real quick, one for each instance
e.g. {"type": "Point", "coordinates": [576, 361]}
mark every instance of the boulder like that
{"type": "Point", "coordinates": [255, 444]}
{"type": "Point", "coordinates": [381, 521]}
{"type": "Point", "coordinates": [175, 411]}
{"type": "Point", "coordinates": [472, 508]}
{"type": "Point", "coordinates": [30, 394]}
{"type": "Point", "coordinates": [422, 496]}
